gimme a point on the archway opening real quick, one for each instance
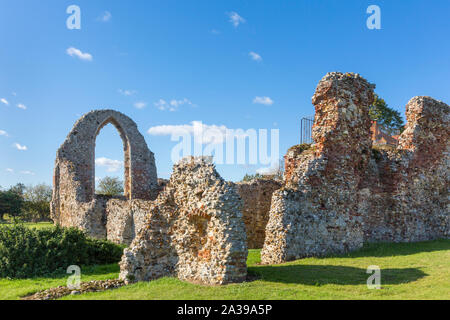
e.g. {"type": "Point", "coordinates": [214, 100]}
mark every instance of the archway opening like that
{"type": "Point", "coordinates": [112, 161]}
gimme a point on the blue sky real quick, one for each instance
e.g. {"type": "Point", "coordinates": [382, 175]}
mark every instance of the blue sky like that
{"type": "Point", "coordinates": [132, 54]}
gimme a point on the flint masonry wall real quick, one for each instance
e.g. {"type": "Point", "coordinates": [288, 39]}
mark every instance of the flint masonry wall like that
{"type": "Point", "coordinates": [340, 192]}
{"type": "Point", "coordinates": [194, 230]}
{"type": "Point", "coordinates": [315, 212]}
{"type": "Point", "coordinates": [405, 195]}
{"type": "Point", "coordinates": [256, 196]}
{"type": "Point", "coordinates": [74, 203]}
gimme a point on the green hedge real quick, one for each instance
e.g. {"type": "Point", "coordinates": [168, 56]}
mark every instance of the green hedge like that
{"type": "Point", "coordinates": [26, 252]}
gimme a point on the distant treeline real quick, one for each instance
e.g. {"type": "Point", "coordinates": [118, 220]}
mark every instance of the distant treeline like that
{"type": "Point", "coordinates": [26, 203]}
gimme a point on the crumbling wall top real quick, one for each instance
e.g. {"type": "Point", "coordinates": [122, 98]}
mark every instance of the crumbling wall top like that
{"type": "Point", "coordinates": [427, 129]}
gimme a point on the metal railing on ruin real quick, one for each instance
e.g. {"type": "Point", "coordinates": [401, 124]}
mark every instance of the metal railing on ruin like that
{"type": "Point", "coordinates": [306, 125]}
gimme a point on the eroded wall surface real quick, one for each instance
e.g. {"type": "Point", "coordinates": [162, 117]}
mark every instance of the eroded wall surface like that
{"type": "Point", "coordinates": [194, 230]}
{"type": "Point", "coordinates": [340, 192]}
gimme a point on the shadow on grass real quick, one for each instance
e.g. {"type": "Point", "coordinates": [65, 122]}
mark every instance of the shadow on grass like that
{"type": "Point", "coordinates": [317, 275]}
{"type": "Point", "coordinates": [92, 271]}
{"type": "Point", "coordinates": [389, 249]}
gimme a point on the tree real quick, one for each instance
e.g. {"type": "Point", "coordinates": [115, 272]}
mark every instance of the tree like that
{"type": "Point", "coordinates": [250, 177]}
{"type": "Point", "coordinates": [37, 202]}
{"type": "Point", "coordinates": [110, 186]}
{"type": "Point", "coordinates": [11, 203]}
{"type": "Point", "coordinates": [276, 172]}
{"type": "Point", "coordinates": [389, 118]}
{"type": "Point", "coordinates": [19, 188]}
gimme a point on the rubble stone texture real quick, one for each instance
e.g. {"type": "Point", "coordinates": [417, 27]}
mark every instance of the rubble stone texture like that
{"type": "Point", "coordinates": [405, 196]}
{"type": "Point", "coordinates": [256, 196]}
{"type": "Point", "coordinates": [61, 291]}
{"type": "Point", "coordinates": [194, 230]}
{"type": "Point", "coordinates": [340, 192]}
{"type": "Point", "coordinates": [74, 203]}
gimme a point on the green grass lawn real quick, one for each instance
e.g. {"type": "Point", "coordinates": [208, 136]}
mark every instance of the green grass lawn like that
{"type": "Point", "coordinates": [408, 271]}
{"type": "Point", "coordinates": [37, 225]}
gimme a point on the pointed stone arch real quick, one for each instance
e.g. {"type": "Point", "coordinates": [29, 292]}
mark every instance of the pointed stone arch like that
{"type": "Point", "coordinates": [126, 152]}
{"type": "Point", "coordinates": [74, 174]}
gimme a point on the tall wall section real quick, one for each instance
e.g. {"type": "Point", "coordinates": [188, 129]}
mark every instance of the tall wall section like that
{"type": "Point", "coordinates": [316, 210]}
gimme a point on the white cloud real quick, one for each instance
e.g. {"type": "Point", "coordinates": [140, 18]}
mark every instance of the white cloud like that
{"type": "Point", "coordinates": [105, 16]}
{"type": "Point", "coordinates": [173, 105]}
{"type": "Point", "coordinates": [111, 165]}
{"type": "Point", "coordinates": [20, 147]}
{"type": "Point", "coordinates": [161, 104]}
{"type": "Point", "coordinates": [255, 56]}
{"type": "Point", "coordinates": [3, 100]}
{"type": "Point", "coordinates": [27, 172]}
{"type": "Point", "coordinates": [77, 53]}
{"type": "Point", "coordinates": [215, 31]}
{"type": "Point", "coordinates": [14, 94]}
{"type": "Point", "coordinates": [235, 19]}
{"type": "Point", "coordinates": [177, 103]}
{"type": "Point", "coordinates": [3, 133]}
{"type": "Point", "coordinates": [140, 104]}
{"type": "Point", "coordinates": [21, 106]}
{"type": "Point", "coordinates": [9, 170]}
{"type": "Point", "coordinates": [263, 100]}
{"type": "Point", "coordinates": [273, 169]}
{"type": "Point", "coordinates": [127, 92]}
{"type": "Point", "coordinates": [201, 132]}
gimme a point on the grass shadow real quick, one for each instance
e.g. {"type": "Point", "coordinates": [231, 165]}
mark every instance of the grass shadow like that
{"type": "Point", "coordinates": [91, 271]}
{"type": "Point", "coordinates": [317, 275]}
{"type": "Point", "coordinates": [390, 249]}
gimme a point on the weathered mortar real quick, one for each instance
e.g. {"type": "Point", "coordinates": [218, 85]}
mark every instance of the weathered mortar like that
{"type": "Point", "coordinates": [193, 230]}
{"type": "Point", "coordinates": [256, 196]}
{"type": "Point", "coordinates": [340, 193]}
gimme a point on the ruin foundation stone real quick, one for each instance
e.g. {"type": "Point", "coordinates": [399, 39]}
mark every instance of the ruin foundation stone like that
{"type": "Point", "coordinates": [194, 230]}
{"type": "Point", "coordinates": [340, 192]}
{"type": "Point", "coordinates": [74, 203]}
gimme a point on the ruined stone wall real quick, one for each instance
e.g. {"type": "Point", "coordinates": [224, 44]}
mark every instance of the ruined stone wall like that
{"type": "Point", "coordinates": [256, 196]}
{"type": "Point", "coordinates": [316, 211]}
{"type": "Point", "coordinates": [119, 219]}
{"type": "Point", "coordinates": [194, 230]}
{"type": "Point", "coordinates": [74, 203]}
{"type": "Point", "coordinates": [340, 192]}
{"type": "Point", "coordinates": [405, 196]}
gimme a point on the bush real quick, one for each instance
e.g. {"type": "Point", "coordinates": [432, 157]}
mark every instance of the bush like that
{"type": "Point", "coordinates": [26, 252]}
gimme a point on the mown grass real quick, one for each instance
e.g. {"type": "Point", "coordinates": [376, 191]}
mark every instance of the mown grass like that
{"type": "Point", "coordinates": [408, 271]}
{"type": "Point", "coordinates": [11, 289]}
{"type": "Point", "coordinates": [37, 225]}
